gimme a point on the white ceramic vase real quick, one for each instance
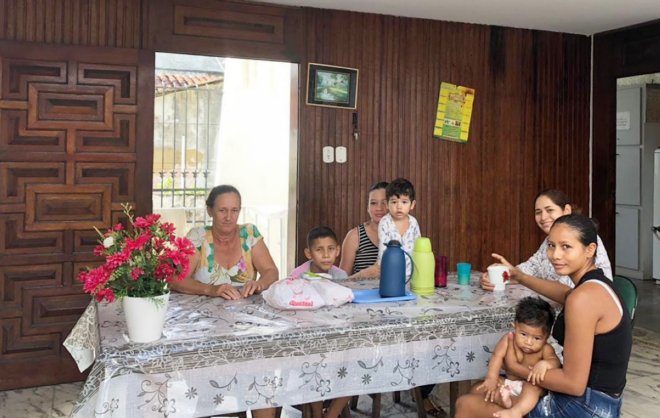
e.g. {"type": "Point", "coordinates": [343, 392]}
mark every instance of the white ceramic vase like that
{"type": "Point", "coordinates": [145, 317]}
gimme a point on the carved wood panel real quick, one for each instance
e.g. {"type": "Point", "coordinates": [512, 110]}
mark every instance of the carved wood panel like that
{"type": "Point", "coordinates": [225, 28]}
{"type": "Point", "coordinates": [68, 129]}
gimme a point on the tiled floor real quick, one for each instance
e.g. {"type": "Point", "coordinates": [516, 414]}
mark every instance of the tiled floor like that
{"type": "Point", "coordinates": [648, 308]}
{"type": "Point", "coordinates": [641, 399]}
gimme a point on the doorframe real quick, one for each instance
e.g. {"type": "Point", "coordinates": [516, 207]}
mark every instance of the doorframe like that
{"type": "Point", "coordinates": [169, 26]}
{"type": "Point", "coordinates": [621, 53]}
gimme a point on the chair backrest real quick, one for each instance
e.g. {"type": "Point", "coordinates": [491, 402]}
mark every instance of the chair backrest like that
{"type": "Point", "coordinates": [628, 292]}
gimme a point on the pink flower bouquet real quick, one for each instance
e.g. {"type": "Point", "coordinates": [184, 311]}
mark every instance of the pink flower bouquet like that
{"type": "Point", "coordinates": [139, 261]}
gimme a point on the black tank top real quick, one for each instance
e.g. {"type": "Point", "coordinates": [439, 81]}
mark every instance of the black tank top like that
{"type": "Point", "coordinates": [611, 351]}
{"type": "Point", "coordinates": [367, 252]}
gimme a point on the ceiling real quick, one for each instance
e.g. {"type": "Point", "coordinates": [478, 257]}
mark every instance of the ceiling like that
{"type": "Point", "coordinates": [573, 16]}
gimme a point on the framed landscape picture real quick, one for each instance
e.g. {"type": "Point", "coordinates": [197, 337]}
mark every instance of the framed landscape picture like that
{"type": "Point", "coordinates": [331, 86]}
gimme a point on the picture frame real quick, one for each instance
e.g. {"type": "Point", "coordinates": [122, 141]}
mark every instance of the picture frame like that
{"type": "Point", "coordinates": [332, 86]}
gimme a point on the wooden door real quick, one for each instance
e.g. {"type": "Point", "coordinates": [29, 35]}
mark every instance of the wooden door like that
{"type": "Point", "coordinates": [70, 119]}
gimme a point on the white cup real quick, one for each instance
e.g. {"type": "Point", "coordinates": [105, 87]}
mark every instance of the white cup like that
{"type": "Point", "coordinates": [499, 276]}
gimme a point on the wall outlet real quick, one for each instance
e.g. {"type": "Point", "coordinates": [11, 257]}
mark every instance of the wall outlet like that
{"type": "Point", "coordinates": [340, 154]}
{"type": "Point", "coordinates": [328, 154]}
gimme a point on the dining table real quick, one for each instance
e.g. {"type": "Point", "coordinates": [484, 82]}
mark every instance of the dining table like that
{"type": "Point", "coordinates": [217, 356]}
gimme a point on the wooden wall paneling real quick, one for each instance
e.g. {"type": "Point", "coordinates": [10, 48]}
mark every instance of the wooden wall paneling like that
{"type": "Point", "coordinates": [576, 94]}
{"type": "Point", "coordinates": [462, 173]}
{"type": "Point", "coordinates": [225, 28]}
{"type": "Point", "coordinates": [481, 176]}
{"type": "Point", "coordinates": [532, 132]}
{"type": "Point", "coordinates": [467, 204]}
{"type": "Point", "coordinates": [76, 142]}
{"type": "Point", "coordinates": [4, 24]}
{"type": "Point", "coordinates": [621, 53]}
{"type": "Point", "coordinates": [604, 139]}
{"type": "Point", "coordinates": [528, 169]}
{"type": "Point", "coordinates": [119, 16]}
{"type": "Point", "coordinates": [113, 23]}
{"type": "Point", "coordinates": [145, 131]}
{"type": "Point", "coordinates": [435, 194]}
{"type": "Point", "coordinates": [345, 201]}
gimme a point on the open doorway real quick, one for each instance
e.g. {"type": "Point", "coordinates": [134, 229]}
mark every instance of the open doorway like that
{"type": "Point", "coordinates": [227, 121]}
{"type": "Point", "coordinates": [638, 177]}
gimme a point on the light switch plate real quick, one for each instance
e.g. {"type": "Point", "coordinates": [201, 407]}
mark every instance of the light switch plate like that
{"type": "Point", "coordinates": [328, 154]}
{"type": "Point", "coordinates": [340, 154]}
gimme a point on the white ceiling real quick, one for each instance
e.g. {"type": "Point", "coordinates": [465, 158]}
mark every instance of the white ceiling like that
{"type": "Point", "coordinates": [573, 16]}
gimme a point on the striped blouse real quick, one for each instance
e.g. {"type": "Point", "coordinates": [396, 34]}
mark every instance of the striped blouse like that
{"type": "Point", "coordinates": [367, 252]}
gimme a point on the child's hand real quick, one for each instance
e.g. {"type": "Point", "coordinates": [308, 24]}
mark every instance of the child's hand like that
{"type": "Point", "coordinates": [537, 374]}
{"type": "Point", "coordinates": [490, 387]}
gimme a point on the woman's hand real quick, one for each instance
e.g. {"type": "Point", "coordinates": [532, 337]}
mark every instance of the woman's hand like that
{"type": "Point", "coordinates": [250, 288]}
{"type": "Point", "coordinates": [371, 272]}
{"type": "Point", "coordinates": [484, 281]}
{"type": "Point", "coordinates": [501, 260]}
{"type": "Point", "coordinates": [514, 272]}
{"type": "Point", "coordinates": [537, 374]}
{"type": "Point", "coordinates": [225, 291]}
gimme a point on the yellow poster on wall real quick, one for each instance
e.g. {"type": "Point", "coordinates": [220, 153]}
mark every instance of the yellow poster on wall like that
{"type": "Point", "coordinates": [452, 121]}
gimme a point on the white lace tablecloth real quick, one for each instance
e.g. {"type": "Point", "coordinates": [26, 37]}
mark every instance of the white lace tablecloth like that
{"type": "Point", "coordinates": [220, 356]}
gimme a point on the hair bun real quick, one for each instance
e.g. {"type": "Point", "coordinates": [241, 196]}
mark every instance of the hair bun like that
{"type": "Point", "coordinates": [575, 208]}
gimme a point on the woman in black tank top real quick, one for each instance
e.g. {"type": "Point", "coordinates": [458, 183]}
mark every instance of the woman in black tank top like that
{"type": "Point", "coordinates": [594, 329]}
{"type": "Point", "coordinates": [359, 251]}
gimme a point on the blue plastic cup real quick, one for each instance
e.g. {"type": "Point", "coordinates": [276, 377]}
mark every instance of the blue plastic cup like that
{"type": "Point", "coordinates": [463, 270]}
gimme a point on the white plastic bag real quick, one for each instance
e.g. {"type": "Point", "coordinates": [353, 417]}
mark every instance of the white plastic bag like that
{"type": "Point", "coordinates": [306, 294]}
{"type": "Point", "coordinates": [333, 294]}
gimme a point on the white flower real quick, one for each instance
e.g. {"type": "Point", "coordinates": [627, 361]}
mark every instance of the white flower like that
{"type": "Point", "coordinates": [170, 246]}
{"type": "Point", "coordinates": [107, 243]}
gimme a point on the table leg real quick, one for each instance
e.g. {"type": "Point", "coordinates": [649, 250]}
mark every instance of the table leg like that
{"type": "Point", "coordinates": [419, 401]}
{"type": "Point", "coordinates": [457, 389]}
{"type": "Point", "coordinates": [396, 397]}
{"type": "Point", "coordinates": [375, 405]}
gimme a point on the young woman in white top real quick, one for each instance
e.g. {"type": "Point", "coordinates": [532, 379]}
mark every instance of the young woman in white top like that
{"type": "Point", "coordinates": [549, 205]}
